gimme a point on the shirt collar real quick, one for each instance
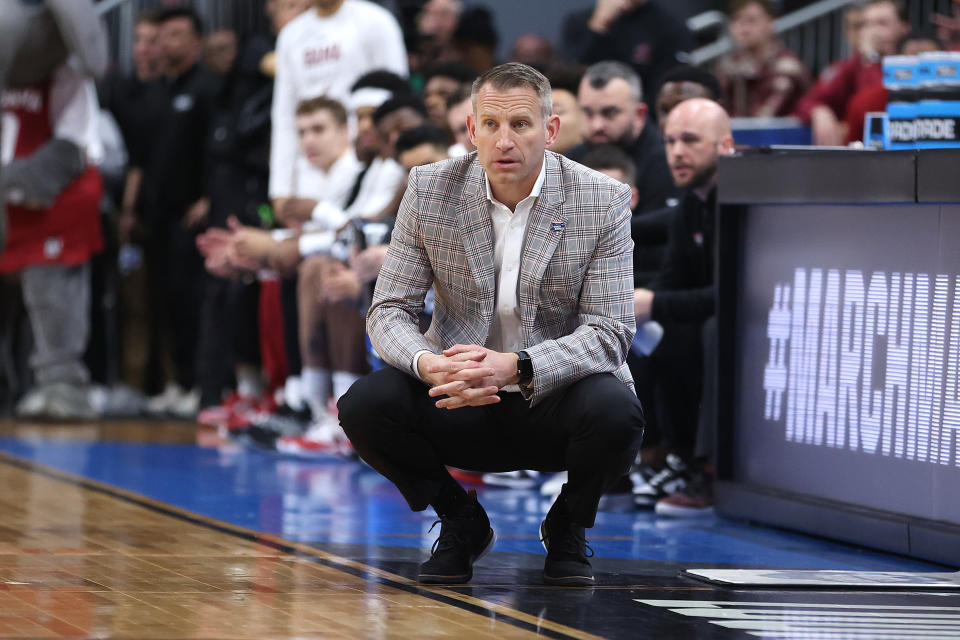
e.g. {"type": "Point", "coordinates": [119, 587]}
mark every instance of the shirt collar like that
{"type": "Point", "coordinates": [535, 192]}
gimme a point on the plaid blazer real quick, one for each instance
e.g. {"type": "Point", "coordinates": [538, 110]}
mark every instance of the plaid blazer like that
{"type": "Point", "coordinates": [576, 274]}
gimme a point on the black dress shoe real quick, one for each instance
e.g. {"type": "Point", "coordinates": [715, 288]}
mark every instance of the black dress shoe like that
{"type": "Point", "coordinates": [567, 552]}
{"type": "Point", "coordinates": [465, 537]}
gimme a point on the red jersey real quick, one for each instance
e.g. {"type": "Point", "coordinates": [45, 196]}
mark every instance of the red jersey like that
{"type": "Point", "coordinates": [69, 232]}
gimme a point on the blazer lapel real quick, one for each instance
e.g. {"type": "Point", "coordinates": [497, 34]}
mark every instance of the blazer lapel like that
{"type": "Point", "coordinates": [476, 229]}
{"type": "Point", "coordinates": [546, 226]}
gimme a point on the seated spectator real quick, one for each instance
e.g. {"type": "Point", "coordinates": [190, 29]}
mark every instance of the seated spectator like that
{"type": "Point", "coordinates": [220, 50]}
{"type": "Point", "coordinates": [614, 113]}
{"type": "Point", "coordinates": [333, 299]}
{"type": "Point", "coordinates": [532, 49]}
{"type": "Point", "coordinates": [459, 106]}
{"type": "Point", "coordinates": [684, 82]}
{"type": "Point", "coordinates": [761, 78]}
{"type": "Point", "coordinates": [476, 39]}
{"type": "Point", "coordinates": [682, 298]}
{"type": "Point", "coordinates": [436, 24]}
{"type": "Point", "coordinates": [564, 84]}
{"type": "Point", "coordinates": [641, 33]}
{"type": "Point", "coordinates": [948, 28]}
{"type": "Point", "coordinates": [824, 107]}
{"type": "Point", "coordinates": [440, 82]}
{"type": "Point", "coordinates": [875, 98]}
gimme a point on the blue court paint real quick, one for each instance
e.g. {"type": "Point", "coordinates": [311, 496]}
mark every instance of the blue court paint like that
{"type": "Point", "coordinates": [336, 502]}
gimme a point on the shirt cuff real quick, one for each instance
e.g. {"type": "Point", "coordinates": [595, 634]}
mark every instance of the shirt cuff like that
{"type": "Point", "coordinates": [329, 216]}
{"type": "Point", "coordinates": [416, 361]}
{"type": "Point", "coordinates": [317, 242]}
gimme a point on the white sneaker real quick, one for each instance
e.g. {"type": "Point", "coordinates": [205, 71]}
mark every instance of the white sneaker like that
{"type": "Point", "coordinates": [552, 487]}
{"type": "Point", "coordinates": [160, 405]}
{"type": "Point", "coordinates": [186, 406]}
{"type": "Point", "coordinates": [57, 401]}
{"type": "Point", "coordinates": [324, 437]}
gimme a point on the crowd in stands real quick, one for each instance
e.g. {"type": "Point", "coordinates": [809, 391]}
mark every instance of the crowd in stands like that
{"type": "Point", "coordinates": [255, 179]}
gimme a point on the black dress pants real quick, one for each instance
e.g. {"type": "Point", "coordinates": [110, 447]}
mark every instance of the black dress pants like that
{"type": "Point", "coordinates": [592, 429]}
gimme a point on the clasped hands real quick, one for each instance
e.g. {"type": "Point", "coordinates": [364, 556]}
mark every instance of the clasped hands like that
{"type": "Point", "coordinates": [469, 375]}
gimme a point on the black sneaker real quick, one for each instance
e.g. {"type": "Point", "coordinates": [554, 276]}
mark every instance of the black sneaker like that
{"type": "Point", "coordinates": [464, 538]}
{"type": "Point", "coordinates": [285, 422]}
{"type": "Point", "coordinates": [648, 487]}
{"type": "Point", "coordinates": [567, 552]}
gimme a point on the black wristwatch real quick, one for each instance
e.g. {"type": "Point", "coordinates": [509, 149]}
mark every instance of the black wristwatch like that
{"type": "Point", "coordinates": [524, 368]}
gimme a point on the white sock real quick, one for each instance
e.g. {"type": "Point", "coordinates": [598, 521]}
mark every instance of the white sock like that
{"type": "Point", "coordinates": [248, 381]}
{"type": "Point", "coordinates": [292, 393]}
{"type": "Point", "coordinates": [342, 382]}
{"type": "Point", "coordinates": [315, 385]}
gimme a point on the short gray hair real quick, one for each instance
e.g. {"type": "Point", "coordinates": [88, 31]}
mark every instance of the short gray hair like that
{"type": "Point", "coordinates": [513, 75]}
{"type": "Point", "coordinates": [600, 74]}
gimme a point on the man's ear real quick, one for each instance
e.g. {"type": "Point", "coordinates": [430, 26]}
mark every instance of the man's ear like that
{"type": "Point", "coordinates": [553, 129]}
{"type": "Point", "coordinates": [472, 129]}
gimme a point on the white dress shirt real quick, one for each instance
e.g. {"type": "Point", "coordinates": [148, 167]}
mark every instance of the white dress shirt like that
{"type": "Point", "coordinates": [509, 232]}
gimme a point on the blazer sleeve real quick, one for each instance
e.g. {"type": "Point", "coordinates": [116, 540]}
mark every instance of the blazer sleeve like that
{"type": "Point", "coordinates": [606, 323]}
{"type": "Point", "coordinates": [393, 319]}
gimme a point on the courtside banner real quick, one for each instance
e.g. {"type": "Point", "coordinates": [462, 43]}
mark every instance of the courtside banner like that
{"type": "Point", "coordinates": [848, 355]}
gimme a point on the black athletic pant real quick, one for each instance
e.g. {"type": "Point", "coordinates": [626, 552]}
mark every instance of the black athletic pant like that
{"type": "Point", "coordinates": [592, 429]}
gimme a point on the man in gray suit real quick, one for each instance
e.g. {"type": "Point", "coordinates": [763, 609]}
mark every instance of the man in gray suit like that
{"type": "Point", "coordinates": [530, 258]}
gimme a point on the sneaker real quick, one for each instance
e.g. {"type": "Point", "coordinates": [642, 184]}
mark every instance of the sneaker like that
{"type": "Point", "coordinates": [186, 406]}
{"type": "Point", "coordinates": [325, 437]}
{"type": "Point", "coordinates": [265, 433]}
{"type": "Point", "coordinates": [693, 501]}
{"type": "Point", "coordinates": [158, 406]}
{"type": "Point", "coordinates": [524, 479]}
{"type": "Point", "coordinates": [567, 551]}
{"type": "Point", "coordinates": [669, 480]}
{"type": "Point", "coordinates": [464, 539]}
{"type": "Point", "coordinates": [57, 401]}
{"type": "Point", "coordinates": [554, 484]}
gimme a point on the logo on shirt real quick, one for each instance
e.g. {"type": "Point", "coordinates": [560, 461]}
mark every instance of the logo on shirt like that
{"type": "Point", "coordinates": [319, 55]}
{"type": "Point", "coordinates": [183, 102]}
{"type": "Point", "coordinates": [52, 248]}
{"type": "Point", "coordinates": [26, 99]}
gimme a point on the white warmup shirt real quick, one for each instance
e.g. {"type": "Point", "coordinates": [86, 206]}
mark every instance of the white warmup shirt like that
{"type": "Point", "coordinates": [509, 232]}
{"type": "Point", "coordinates": [377, 189]}
{"type": "Point", "coordinates": [325, 56]}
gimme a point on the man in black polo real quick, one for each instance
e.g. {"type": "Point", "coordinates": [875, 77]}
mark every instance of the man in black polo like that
{"type": "Point", "coordinates": [614, 113]}
{"type": "Point", "coordinates": [172, 205]}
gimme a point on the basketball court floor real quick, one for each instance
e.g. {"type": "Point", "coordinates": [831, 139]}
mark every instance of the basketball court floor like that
{"type": "Point", "coordinates": [158, 530]}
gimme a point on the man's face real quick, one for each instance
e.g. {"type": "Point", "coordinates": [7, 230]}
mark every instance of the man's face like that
{"type": "Point", "coordinates": [435, 94]}
{"type": "Point", "coordinates": [692, 148]}
{"type": "Point", "coordinates": [146, 47]}
{"type": "Point", "coordinates": [673, 93]}
{"type": "Point", "coordinates": [751, 27]}
{"type": "Point", "coordinates": [393, 124]}
{"type": "Point", "coordinates": [510, 134]}
{"type": "Point", "coordinates": [367, 143]}
{"type": "Point", "coordinates": [610, 114]}
{"type": "Point", "coordinates": [882, 28]}
{"type": "Point", "coordinates": [322, 139]}
{"type": "Point", "coordinates": [457, 121]}
{"type": "Point", "coordinates": [566, 108]}
{"type": "Point", "coordinates": [438, 19]}
{"type": "Point", "coordinates": [179, 42]}
{"type": "Point", "coordinates": [421, 155]}
{"type": "Point", "coordinates": [220, 50]}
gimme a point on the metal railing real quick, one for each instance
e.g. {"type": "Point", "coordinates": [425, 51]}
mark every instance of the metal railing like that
{"type": "Point", "coordinates": [815, 33]}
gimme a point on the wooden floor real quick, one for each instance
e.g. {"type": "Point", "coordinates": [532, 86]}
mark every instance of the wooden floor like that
{"type": "Point", "coordinates": [158, 531]}
{"type": "Point", "coordinates": [77, 561]}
